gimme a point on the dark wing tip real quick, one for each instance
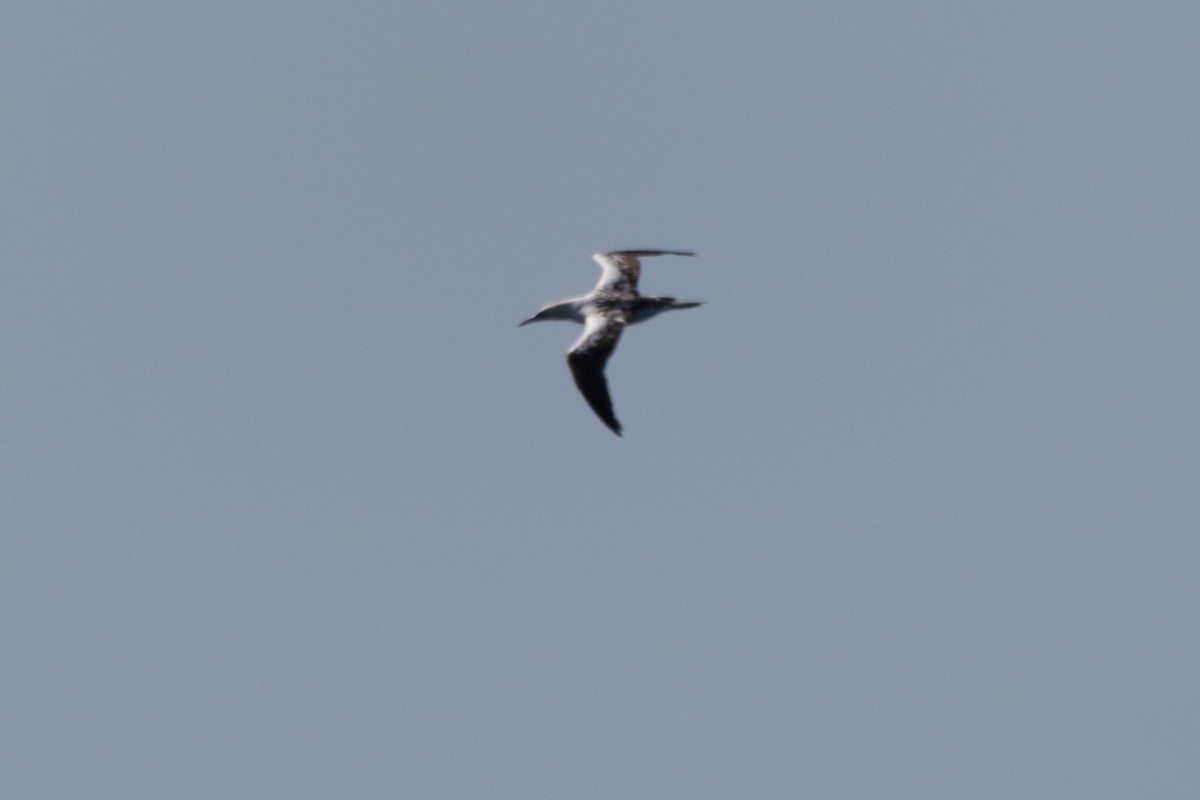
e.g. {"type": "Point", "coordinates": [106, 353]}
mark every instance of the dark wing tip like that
{"type": "Point", "coordinates": [649, 253]}
{"type": "Point", "coordinates": [588, 372]}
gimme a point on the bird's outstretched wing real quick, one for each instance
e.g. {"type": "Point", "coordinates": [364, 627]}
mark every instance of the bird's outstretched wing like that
{"type": "Point", "coordinates": [587, 358]}
{"type": "Point", "coordinates": [620, 269]}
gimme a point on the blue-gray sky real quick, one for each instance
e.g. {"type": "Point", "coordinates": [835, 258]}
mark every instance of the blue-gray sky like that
{"type": "Point", "coordinates": [292, 509]}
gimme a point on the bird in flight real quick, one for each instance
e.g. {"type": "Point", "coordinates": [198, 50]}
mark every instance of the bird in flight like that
{"type": "Point", "coordinates": [604, 312]}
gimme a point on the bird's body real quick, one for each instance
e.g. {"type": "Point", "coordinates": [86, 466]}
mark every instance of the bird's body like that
{"type": "Point", "coordinates": [604, 313]}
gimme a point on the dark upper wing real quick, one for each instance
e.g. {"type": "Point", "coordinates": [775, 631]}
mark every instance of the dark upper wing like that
{"type": "Point", "coordinates": [620, 269]}
{"type": "Point", "coordinates": [619, 272]}
{"type": "Point", "coordinates": [587, 358]}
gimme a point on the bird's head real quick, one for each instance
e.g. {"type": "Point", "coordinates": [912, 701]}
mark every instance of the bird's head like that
{"type": "Point", "coordinates": [564, 309]}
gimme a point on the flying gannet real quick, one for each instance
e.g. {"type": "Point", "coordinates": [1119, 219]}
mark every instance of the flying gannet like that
{"type": "Point", "coordinates": [604, 312]}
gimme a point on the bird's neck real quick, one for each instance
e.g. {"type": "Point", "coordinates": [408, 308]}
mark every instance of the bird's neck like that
{"type": "Point", "coordinates": [571, 309]}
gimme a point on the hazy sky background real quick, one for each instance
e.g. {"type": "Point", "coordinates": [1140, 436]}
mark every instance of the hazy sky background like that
{"type": "Point", "coordinates": [292, 509]}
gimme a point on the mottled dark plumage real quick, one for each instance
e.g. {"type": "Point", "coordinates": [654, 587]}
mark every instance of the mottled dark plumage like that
{"type": "Point", "coordinates": [605, 312]}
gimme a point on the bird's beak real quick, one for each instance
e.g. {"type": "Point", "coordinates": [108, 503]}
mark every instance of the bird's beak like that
{"type": "Point", "coordinates": [526, 322]}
